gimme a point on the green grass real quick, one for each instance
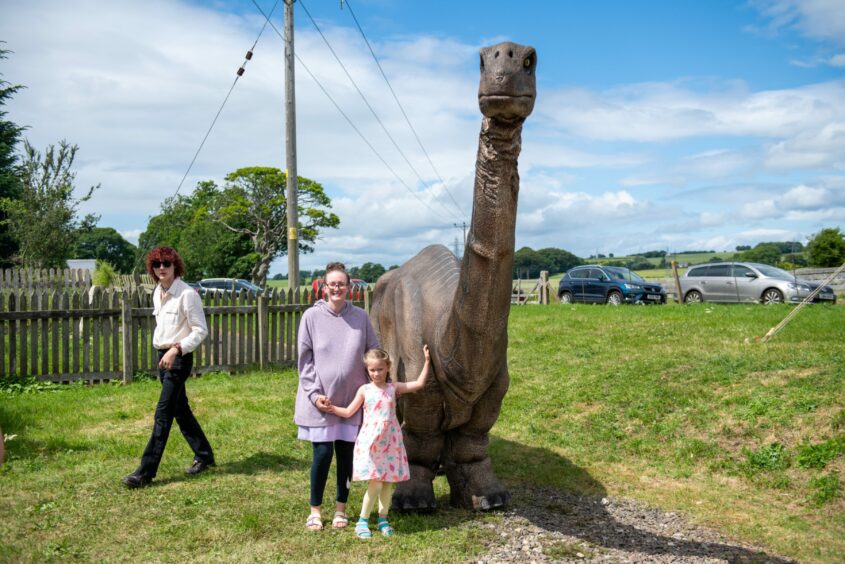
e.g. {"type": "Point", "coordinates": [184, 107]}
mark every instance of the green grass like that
{"type": "Point", "coordinates": [679, 407]}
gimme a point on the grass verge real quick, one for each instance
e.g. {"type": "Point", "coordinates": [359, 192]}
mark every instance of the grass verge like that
{"type": "Point", "coordinates": [676, 406]}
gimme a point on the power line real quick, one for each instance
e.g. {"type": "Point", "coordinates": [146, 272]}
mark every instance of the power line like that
{"type": "Point", "coordinates": [367, 103]}
{"type": "Point", "coordinates": [348, 120]}
{"type": "Point", "coordinates": [402, 109]}
{"type": "Point", "coordinates": [239, 74]}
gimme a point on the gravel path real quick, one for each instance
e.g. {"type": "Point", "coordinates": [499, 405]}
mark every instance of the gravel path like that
{"type": "Point", "coordinates": [543, 525]}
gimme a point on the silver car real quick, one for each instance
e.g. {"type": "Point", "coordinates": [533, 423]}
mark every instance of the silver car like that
{"type": "Point", "coordinates": [732, 282]}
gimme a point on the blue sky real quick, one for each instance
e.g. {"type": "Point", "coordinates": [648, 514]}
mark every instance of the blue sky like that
{"type": "Point", "coordinates": [658, 125]}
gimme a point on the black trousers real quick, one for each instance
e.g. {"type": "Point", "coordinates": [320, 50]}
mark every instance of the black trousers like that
{"type": "Point", "coordinates": [173, 404]}
{"type": "Point", "coordinates": [320, 469]}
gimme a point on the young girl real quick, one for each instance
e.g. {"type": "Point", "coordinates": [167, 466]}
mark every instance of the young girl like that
{"type": "Point", "coordinates": [379, 450]}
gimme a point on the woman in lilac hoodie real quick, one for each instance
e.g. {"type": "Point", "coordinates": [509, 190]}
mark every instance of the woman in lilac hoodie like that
{"type": "Point", "coordinates": [333, 337]}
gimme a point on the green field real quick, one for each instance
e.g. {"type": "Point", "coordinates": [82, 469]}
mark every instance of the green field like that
{"type": "Point", "coordinates": [679, 407]}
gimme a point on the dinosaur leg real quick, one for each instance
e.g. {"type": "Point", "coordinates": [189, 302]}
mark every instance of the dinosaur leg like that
{"type": "Point", "coordinates": [424, 443]}
{"type": "Point", "coordinates": [420, 413]}
{"type": "Point", "coordinates": [472, 482]}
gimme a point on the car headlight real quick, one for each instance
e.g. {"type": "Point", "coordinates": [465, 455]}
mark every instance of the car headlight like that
{"type": "Point", "coordinates": [802, 287]}
{"type": "Point", "coordinates": [632, 286]}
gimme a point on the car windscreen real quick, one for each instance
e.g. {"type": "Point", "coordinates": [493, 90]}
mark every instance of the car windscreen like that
{"type": "Point", "coordinates": [625, 275]}
{"type": "Point", "coordinates": [773, 272]}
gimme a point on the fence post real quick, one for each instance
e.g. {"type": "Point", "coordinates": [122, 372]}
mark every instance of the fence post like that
{"type": "Point", "coordinates": [544, 287]}
{"type": "Point", "coordinates": [263, 326]}
{"type": "Point", "coordinates": [127, 335]}
{"type": "Point", "coordinates": [678, 297]}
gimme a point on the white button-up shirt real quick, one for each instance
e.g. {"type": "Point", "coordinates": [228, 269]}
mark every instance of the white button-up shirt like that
{"type": "Point", "coordinates": [179, 317]}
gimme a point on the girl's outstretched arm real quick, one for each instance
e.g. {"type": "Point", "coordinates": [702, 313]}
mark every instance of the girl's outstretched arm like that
{"type": "Point", "coordinates": [350, 409]}
{"type": "Point", "coordinates": [419, 383]}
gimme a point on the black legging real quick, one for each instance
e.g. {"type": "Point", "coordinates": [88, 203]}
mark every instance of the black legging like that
{"type": "Point", "coordinates": [320, 470]}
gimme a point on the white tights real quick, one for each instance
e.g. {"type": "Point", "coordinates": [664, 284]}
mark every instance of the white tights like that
{"type": "Point", "coordinates": [377, 490]}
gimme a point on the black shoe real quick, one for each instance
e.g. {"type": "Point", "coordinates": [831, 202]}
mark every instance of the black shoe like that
{"type": "Point", "coordinates": [133, 481]}
{"type": "Point", "coordinates": [197, 467]}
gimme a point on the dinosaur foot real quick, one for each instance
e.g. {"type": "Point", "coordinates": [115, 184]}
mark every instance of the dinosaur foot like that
{"type": "Point", "coordinates": [417, 494]}
{"type": "Point", "coordinates": [474, 486]}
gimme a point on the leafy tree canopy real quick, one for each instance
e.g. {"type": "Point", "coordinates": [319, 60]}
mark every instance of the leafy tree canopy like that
{"type": "Point", "coordinates": [44, 219]}
{"type": "Point", "coordinates": [766, 253]}
{"type": "Point", "coordinates": [238, 230]}
{"type": "Point", "coordinates": [10, 186]}
{"type": "Point", "coordinates": [106, 244]}
{"type": "Point", "coordinates": [208, 249]}
{"type": "Point", "coordinates": [827, 248]}
{"type": "Point", "coordinates": [254, 204]}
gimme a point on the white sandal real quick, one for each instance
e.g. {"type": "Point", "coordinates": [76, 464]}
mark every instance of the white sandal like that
{"type": "Point", "coordinates": [314, 523]}
{"type": "Point", "coordinates": [340, 520]}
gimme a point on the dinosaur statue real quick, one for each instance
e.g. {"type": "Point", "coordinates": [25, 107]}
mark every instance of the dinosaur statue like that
{"type": "Point", "coordinates": [460, 309]}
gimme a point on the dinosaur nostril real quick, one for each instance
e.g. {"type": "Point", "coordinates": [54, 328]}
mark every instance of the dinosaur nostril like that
{"type": "Point", "coordinates": [510, 53]}
{"type": "Point", "coordinates": [496, 56]}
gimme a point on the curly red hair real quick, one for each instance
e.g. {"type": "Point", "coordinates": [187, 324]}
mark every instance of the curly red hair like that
{"type": "Point", "coordinates": [162, 254]}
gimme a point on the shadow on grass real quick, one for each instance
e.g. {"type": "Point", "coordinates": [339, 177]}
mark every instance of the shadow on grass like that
{"type": "Point", "coordinates": [256, 463]}
{"type": "Point", "coordinates": [262, 462]}
{"type": "Point", "coordinates": [556, 495]}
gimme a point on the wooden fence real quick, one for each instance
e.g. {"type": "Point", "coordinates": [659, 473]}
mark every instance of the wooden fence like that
{"type": "Point", "coordinates": [71, 335]}
{"type": "Point", "coordinates": [44, 279]}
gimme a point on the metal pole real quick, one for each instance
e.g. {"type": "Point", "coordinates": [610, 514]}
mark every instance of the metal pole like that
{"type": "Point", "coordinates": [290, 151]}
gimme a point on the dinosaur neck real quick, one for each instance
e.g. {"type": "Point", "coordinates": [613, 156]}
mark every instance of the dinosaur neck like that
{"type": "Point", "coordinates": [482, 300]}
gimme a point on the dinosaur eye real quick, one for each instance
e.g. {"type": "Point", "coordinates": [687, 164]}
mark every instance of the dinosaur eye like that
{"type": "Point", "coordinates": [526, 63]}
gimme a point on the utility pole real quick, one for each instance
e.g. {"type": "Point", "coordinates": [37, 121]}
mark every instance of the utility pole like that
{"type": "Point", "coordinates": [463, 226]}
{"type": "Point", "coordinates": [290, 151]}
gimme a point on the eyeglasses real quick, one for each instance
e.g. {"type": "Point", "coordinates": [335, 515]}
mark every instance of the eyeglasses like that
{"type": "Point", "coordinates": [336, 285]}
{"type": "Point", "coordinates": [160, 263]}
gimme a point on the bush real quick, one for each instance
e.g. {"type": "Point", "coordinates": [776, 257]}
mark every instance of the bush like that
{"type": "Point", "coordinates": [104, 274]}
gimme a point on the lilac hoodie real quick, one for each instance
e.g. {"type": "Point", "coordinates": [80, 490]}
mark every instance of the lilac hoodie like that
{"type": "Point", "coordinates": [331, 348]}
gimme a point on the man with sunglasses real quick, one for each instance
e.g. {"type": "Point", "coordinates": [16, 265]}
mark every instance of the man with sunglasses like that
{"type": "Point", "coordinates": [180, 328]}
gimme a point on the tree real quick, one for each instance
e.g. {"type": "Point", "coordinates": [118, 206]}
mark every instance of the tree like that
{"type": "Point", "coordinates": [10, 187]}
{"type": "Point", "coordinates": [827, 248]}
{"type": "Point", "coordinates": [370, 271]}
{"type": "Point", "coordinates": [44, 218]}
{"type": "Point", "coordinates": [106, 244]}
{"type": "Point", "coordinates": [186, 224]}
{"type": "Point", "coordinates": [254, 204]}
{"type": "Point", "coordinates": [767, 253]}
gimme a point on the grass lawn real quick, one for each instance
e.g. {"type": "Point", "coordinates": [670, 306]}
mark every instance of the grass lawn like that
{"type": "Point", "coordinates": [676, 406]}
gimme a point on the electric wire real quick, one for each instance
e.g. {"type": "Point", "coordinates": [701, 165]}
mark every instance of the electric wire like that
{"type": "Point", "coordinates": [238, 75]}
{"type": "Point", "coordinates": [348, 120]}
{"type": "Point", "coordinates": [462, 216]}
{"type": "Point", "coordinates": [402, 109]}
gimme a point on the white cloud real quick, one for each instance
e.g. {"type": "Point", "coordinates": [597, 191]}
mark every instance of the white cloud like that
{"type": "Point", "coordinates": [819, 19]}
{"type": "Point", "coordinates": [643, 165]}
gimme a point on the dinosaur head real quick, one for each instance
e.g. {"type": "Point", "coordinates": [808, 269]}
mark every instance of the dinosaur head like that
{"type": "Point", "coordinates": [508, 85]}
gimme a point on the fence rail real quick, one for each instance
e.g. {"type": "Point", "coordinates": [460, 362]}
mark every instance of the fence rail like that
{"type": "Point", "coordinates": [73, 334]}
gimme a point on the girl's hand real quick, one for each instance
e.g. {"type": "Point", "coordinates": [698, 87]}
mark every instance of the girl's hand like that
{"type": "Point", "coordinates": [324, 404]}
{"type": "Point", "coordinates": [426, 353]}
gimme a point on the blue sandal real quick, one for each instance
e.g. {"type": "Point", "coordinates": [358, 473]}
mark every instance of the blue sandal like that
{"type": "Point", "coordinates": [385, 527]}
{"type": "Point", "coordinates": [362, 529]}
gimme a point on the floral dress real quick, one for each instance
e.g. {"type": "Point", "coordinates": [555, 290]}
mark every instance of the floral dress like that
{"type": "Point", "coordinates": [379, 450]}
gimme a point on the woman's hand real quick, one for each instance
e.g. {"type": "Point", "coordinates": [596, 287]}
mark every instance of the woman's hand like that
{"type": "Point", "coordinates": [427, 353]}
{"type": "Point", "coordinates": [324, 404]}
{"type": "Point", "coordinates": [166, 362]}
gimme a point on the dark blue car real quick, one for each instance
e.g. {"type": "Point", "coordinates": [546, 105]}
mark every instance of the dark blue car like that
{"type": "Point", "coordinates": [613, 285]}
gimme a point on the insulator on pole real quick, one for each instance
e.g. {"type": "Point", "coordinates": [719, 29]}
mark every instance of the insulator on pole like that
{"type": "Point", "coordinates": [241, 71]}
{"type": "Point", "coordinates": [248, 55]}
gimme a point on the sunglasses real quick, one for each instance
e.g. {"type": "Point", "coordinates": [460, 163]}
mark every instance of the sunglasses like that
{"type": "Point", "coordinates": [160, 263]}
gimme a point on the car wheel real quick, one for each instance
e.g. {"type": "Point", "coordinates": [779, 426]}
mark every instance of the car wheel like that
{"type": "Point", "coordinates": [614, 298]}
{"type": "Point", "coordinates": [693, 297]}
{"type": "Point", "coordinates": [566, 298]}
{"type": "Point", "coordinates": [772, 296]}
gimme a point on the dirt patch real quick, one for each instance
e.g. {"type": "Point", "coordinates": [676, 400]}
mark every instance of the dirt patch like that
{"type": "Point", "coordinates": [545, 525]}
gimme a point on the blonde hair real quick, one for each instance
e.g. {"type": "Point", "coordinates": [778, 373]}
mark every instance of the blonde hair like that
{"type": "Point", "coordinates": [377, 355]}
